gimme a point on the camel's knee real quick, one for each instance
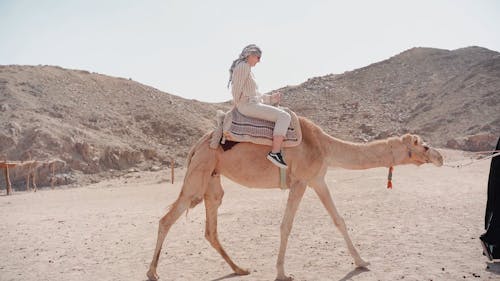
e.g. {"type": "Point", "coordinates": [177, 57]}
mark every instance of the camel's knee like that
{"type": "Point", "coordinates": [165, 223]}
{"type": "Point", "coordinates": [193, 196]}
{"type": "Point", "coordinates": [174, 211]}
{"type": "Point", "coordinates": [214, 192]}
{"type": "Point", "coordinates": [214, 199]}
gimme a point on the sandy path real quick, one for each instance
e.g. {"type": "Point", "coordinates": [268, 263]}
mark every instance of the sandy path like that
{"type": "Point", "coordinates": [426, 228]}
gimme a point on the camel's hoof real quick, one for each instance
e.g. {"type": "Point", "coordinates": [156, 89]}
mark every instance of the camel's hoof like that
{"type": "Point", "coordinates": [240, 271]}
{"type": "Point", "coordinates": [152, 276]}
{"type": "Point", "coordinates": [362, 264]}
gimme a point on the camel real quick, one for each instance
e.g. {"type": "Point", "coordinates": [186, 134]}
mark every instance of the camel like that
{"type": "Point", "coordinates": [308, 163]}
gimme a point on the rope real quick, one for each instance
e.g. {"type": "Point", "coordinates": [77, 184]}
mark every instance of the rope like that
{"type": "Point", "coordinates": [495, 153]}
{"type": "Point", "coordinates": [472, 161]}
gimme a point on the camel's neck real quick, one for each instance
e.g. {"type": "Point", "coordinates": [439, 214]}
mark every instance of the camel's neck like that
{"type": "Point", "coordinates": [383, 153]}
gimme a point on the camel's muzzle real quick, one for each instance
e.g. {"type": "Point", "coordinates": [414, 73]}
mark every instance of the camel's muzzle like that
{"type": "Point", "coordinates": [434, 157]}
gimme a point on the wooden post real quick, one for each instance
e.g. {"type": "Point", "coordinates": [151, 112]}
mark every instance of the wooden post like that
{"type": "Point", "coordinates": [172, 167]}
{"type": "Point", "coordinates": [52, 179]}
{"type": "Point", "coordinates": [29, 172]}
{"type": "Point", "coordinates": [33, 181]}
{"type": "Point", "coordinates": [28, 178]}
{"type": "Point", "coordinates": [7, 180]}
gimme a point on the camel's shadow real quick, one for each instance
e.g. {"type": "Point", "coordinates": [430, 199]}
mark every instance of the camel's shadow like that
{"type": "Point", "coordinates": [348, 276]}
{"type": "Point", "coordinates": [354, 272]}
{"type": "Point", "coordinates": [232, 275]}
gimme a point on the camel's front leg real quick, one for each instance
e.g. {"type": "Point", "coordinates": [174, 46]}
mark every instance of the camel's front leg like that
{"type": "Point", "coordinates": [324, 195]}
{"type": "Point", "coordinates": [296, 192]}
{"type": "Point", "coordinates": [213, 199]}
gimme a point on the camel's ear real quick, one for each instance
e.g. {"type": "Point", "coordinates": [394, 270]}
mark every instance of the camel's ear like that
{"type": "Point", "coordinates": [411, 139]}
{"type": "Point", "coordinates": [416, 140]}
{"type": "Point", "coordinates": [407, 138]}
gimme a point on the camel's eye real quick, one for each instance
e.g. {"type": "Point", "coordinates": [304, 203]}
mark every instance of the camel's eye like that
{"type": "Point", "coordinates": [415, 142]}
{"type": "Point", "coordinates": [426, 147]}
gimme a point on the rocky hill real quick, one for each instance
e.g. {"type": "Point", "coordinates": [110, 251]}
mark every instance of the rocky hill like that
{"type": "Point", "coordinates": [451, 98]}
{"type": "Point", "coordinates": [102, 126]}
{"type": "Point", "coordinates": [94, 123]}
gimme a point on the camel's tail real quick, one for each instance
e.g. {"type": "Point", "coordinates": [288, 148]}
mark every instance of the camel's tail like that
{"type": "Point", "coordinates": [194, 193]}
{"type": "Point", "coordinates": [196, 147]}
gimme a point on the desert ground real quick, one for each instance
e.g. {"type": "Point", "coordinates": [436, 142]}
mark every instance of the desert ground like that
{"type": "Point", "coordinates": [425, 228]}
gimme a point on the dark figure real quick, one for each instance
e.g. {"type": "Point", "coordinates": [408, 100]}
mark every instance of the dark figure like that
{"type": "Point", "coordinates": [491, 239]}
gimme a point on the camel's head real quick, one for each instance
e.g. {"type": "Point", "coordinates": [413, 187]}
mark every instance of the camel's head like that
{"type": "Point", "coordinates": [419, 152]}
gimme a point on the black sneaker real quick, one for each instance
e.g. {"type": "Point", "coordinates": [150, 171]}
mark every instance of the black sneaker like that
{"type": "Point", "coordinates": [277, 159]}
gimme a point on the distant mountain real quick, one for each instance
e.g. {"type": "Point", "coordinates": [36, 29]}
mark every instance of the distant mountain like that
{"type": "Point", "coordinates": [101, 126]}
{"type": "Point", "coordinates": [451, 98]}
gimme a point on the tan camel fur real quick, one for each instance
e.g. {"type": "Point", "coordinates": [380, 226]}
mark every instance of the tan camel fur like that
{"type": "Point", "coordinates": [308, 163]}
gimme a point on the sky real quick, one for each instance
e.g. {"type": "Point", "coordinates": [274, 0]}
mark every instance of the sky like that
{"type": "Point", "coordinates": [185, 47]}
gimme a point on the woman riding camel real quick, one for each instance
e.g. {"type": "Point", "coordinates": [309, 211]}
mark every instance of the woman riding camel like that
{"type": "Point", "coordinates": [251, 103]}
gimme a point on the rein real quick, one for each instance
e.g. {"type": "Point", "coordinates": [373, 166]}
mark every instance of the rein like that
{"type": "Point", "coordinates": [495, 153]}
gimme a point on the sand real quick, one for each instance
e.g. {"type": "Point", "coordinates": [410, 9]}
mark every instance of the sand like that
{"type": "Point", "coordinates": [426, 228]}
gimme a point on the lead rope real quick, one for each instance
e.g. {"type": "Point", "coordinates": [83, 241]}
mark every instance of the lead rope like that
{"type": "Point", "coordinates": [472, 161]}
{"type": "Point", "coordinates": [495, 154]}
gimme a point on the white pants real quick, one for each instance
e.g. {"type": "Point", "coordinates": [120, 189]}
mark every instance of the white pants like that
{"type": "Point", "coordinates": [267, 112]}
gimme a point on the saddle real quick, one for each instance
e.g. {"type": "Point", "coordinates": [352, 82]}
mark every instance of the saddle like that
{"type": "Point", "coordinates": [234, 127]}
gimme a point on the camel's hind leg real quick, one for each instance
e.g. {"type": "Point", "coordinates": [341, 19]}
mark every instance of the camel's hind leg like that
{"type": "Point", "coordinates": [322, 191]}
{"type": "Point", "coordinates": [213, 199]}
{"type": "Point", "coordinates": [166, 222]}
{"type": "Point", "coordinates": [201, 165]}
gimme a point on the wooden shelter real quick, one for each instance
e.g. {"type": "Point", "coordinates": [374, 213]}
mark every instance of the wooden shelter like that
{"type": "Point", "coordinates": [32, 166]}
{"type": "Point", "coordinates": [6, 165]}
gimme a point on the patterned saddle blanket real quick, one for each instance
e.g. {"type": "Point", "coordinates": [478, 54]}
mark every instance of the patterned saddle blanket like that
{"type": "Point", "coordinates": [236, 127]}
